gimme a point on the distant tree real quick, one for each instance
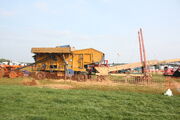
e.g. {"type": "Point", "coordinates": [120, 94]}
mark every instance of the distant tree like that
{"type": "Point", "coordinates": [4, 60]}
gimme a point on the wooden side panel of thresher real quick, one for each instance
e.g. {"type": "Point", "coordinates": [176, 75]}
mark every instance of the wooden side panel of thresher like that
{"type": "Point", "coordinates": [78, 64]}
{"type": "Point", "coordinates": [86, 57]}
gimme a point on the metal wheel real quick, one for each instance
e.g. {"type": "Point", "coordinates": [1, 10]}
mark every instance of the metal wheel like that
{"type": "Point", "coordinates": [48, 75]}
{"type": "Point", "coordinates": [13, 74]}
{"type": "Point", "coordinates": [85, 77]}
{"type": "Point", "coordinates": [40, 75]}
{"type": "Point", "coordinates": [82, 77]}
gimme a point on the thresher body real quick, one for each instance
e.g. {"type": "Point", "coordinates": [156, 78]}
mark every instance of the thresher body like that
{"type": "Point", "coordinates": [62, 59]}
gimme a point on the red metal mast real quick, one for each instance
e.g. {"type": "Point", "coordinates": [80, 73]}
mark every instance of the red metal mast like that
{"type": "Point", "coordinates": [142, 51]}
{"type": "Point", "coordinates": [140, 47]}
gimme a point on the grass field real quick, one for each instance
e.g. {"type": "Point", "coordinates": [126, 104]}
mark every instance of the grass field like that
{"type": "Point", "coordinates": [84, 101]}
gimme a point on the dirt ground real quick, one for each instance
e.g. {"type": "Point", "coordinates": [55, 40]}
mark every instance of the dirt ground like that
{"type": "Point", "coordinates": [32, 82]}
{"type": "Point", "coordinates": [70, 84]}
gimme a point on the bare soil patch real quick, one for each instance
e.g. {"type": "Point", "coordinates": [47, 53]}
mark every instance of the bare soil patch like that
{"type": "Point", "coordinates": [56, 86]}
{"type": "Point", "coordinates": [71, 84]}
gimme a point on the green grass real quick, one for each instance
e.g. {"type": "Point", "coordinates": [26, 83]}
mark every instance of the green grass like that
{"type": "Point", "coordinates": [9, 81]}
{"type": "Point", "coordinates": [87, 101]}
{"type": "Point", "coordinates": [31, 103]}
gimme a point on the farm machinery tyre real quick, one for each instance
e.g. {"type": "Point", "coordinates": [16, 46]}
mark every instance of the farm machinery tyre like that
{"type": "Point", "coordinates": [13, 74]}
{"type": "Point", "coordinates": [80, 77]}
{"type": "Point", "coordinates": [40, 75]}
{"type": "Point", "coordinates": [48, 75]}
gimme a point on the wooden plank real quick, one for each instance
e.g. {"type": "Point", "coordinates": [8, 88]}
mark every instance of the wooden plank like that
{"type": "Point", "coordinates": [106, 70]}
{"type": "Point", "coordinates": [169, 61]}
{"type": "Point", "coordinates": [132, 65]}
{"type": "Point", "coordinates": [51, 50]}
{"type": "Point", "coordinates": [123, 75]}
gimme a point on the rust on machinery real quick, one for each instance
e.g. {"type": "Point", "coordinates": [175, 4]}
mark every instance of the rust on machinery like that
{"type": "Point", "coordinates": [10, 71]}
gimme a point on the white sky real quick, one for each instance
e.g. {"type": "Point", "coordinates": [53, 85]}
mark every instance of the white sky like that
{"type": "Point", "coordinates": [107, 25]}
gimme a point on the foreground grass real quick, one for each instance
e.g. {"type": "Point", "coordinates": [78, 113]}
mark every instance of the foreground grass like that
{"type": "Point", "coordinates": [31, 103]}
{"type": "Point", "coordinates": [11, 81]}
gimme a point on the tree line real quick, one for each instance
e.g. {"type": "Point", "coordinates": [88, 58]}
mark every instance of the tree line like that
{"type": "Point", "coordinates": [4, 60]}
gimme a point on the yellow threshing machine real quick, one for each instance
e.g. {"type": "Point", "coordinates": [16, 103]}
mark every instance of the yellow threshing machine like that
{"type": "Point", "coordinates": [63, 62]}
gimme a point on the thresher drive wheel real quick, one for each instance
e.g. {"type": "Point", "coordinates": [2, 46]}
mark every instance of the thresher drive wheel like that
{"type": "Point", "coordinates": [1, 72]}
{"type": "Point", "coordinates": [48, 75]}
{"type": "Point", "coordinates": [40, 75]}
{"type": "Point", "coordinates": [13, 74]}
{"type": "Point", "coordinates": [82, 77]}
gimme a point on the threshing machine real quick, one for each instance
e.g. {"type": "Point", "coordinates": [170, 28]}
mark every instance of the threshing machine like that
{"type": "Point", "coordinates": [63, 62]}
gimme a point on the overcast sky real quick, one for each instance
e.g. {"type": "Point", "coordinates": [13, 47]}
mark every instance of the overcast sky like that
{"type": "Point", "coordinates": [107, 25]}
